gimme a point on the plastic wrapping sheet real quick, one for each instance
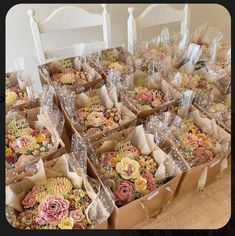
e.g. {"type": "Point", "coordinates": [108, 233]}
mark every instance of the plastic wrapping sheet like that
{"type": "Point", "coordinates": [69, 171]}
{"type": "Point", "coordinates": [33, 133]}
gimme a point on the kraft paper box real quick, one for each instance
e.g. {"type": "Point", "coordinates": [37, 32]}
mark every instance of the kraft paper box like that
{"type": "Point", "coordinates": [78, 63]}
{"type": "Point", "coordinates": [13, 174]}
{"type": "Point", "coordinates": [145, 86]}
{"type": "Point", "coordinates": [196, 177]}
{"type": "Point", "coordinates": [146, 207]}
{"type": "Point", "coordinates": [37, 171]}
{"type": "Point", "coordinates": [112, 59]}
{"type": "Point", "coordinates": [30, 102]}
{"type": "Point", "coordinates": [74, 102]}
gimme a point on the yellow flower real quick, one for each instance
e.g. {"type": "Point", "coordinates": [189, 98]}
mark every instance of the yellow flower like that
{"type": "Point", "coordinates": [66, 223]}
{"type": "Point", "coordinates": [140, 184]}
{"type": "Point", "coordinates": [40, 138]}
{"type": "Point", "coordinates": [8, 152]}
{"type": "Point", "coordinates": [25, 144]}
{"type": "Point", "coordinates": [59, 185]}
{"type": "Point", "coordinates": [113, 161]}
{"type": "Point", "coordinates": [11, 97]}
{"type": "Point", "coordinates": [67, 78]}
{"type": "Point", "coordinates": [128, 168]}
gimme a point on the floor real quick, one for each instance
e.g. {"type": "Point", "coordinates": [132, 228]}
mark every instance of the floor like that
{"type": "Point", "coordinates": [209, 209]}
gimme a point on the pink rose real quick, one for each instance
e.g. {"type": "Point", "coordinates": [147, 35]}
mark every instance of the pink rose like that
{"type": "Point", "coordinates": [22, 141]}
{"type": "Point", "coordinates": [29, 200]}
{"type": "Point", "coordinates": [204, 154]}
{"type": "Point", "coordinates": [35, 132]}
{"type": "Point", "coordinates": [145, 97]}
{"type": "Point", "coordinates": [124, 191]}
{"type": "Point", "coordinates": [46, 132]}
{"type": "Point", "coordinates": [79, 225]}
{"type": "Point", "coordinates": [40, 221]}
{"type": "Point", "coordinates": [132, 151]}
{"type": "Point", "coordinates": [15, 89]}
{"type": "Point", "coordinates": [53, 208]}
{"type": "Point", "coordinates": [71, 71]}
{"type": "Point", "coordinates": [77, 215]}
{"type": "Point", "coordinates": [151, 185]}
{"type": "Point", "coordinates": [11, 160]}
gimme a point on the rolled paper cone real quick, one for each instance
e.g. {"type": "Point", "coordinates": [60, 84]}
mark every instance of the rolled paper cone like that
{"type": "Point", "coordinates": [138, 139]}
{"type": "Point", "coordinates": [77, 64]}
{"type": "Point", "coordinates": [104, 97]}
{"type": "Point", "coordinates": [82, 100]}
{"type": "Point", "coordinates": [160, 173]}
{"type": "Point", "coordinates": [187, 68]}
{"type": "Point", "coordinates": [159, 156]}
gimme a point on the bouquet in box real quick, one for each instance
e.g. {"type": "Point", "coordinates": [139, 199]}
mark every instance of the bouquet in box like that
{"type": "Point", "coordinates": [33, 133]}
{"type": "Point", "coordinates": [197, 138]}
{"type": "Point", "coordinates": [114, 59]}
{"type": "Point", "coordinates": [19, 90]}
{"type": "Point", "coordinates": [59, 196]}
{"type": "Point", "coordinates": [148, 93]}
{"type": "Point", "coordinates": [14, 94]}
{"type": "Point", "coordinates": [71, 72]}
{"type": "Point", "coordinates": [133, 166]}
{"type": "Point", "coordinates": [96, 111]}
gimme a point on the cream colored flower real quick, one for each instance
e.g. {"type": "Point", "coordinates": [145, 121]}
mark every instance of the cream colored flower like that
{"type": "Point", "coordinates": [25, 144]}
{"type": "Point", "coordinates": [128, 168]}
{"type": "Point", "coordinates": [67, 78]}
{"type": "Point", "coordinates": [140, 184]}
{"type": "Point", "coordinates": [117, 67]}
{"type": "Point", "coordinates": [11, 97]}
{"type": "Point", "coordinates": [59, 185]}
{"type": "Point", "coordinates": [95, 118]}
{"type": "Point", "coordinates": [66, 223]}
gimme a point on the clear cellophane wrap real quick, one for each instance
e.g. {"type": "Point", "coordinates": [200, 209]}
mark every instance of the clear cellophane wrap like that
{"type": "Point", "coordinates": [71, 73]}
{"type": "Point", "coordinates": [86, 101]}
{"type": "Point", "coordinates": [154, 56]}
{"type": "Point", "coordinates": [169, 163]}
{"type": "Point", "coordinates": [139, 90]}
{"type": "Point", "coordinates": [112, 59]}
{"type": "Point", "coordinates": [19, 85]}
{"type": "Point", "coordinates": [22, 126]}
{"type": "Point", "coordinates": [171, 122]}
{"type": "Point", "coordinates": [72, 166]}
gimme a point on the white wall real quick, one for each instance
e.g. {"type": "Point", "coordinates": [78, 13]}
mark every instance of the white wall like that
{"type": "Point", "coordinates": [19, 41]}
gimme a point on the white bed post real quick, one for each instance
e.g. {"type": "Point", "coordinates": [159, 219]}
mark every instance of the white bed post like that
{"type": "Point", "coordinates": [106, 27]}
{"type": "Point", "coordinates": [36, 36]}
{"type": "Point", "coordinates": [185, 23]}
{"type": "Point", "coordinates": [131, 30]}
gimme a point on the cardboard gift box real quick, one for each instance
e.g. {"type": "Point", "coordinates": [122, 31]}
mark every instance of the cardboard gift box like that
{"type": "Point", "coordinates": [197, 176]}
{"type": "Point", "coordinates": [149, 86]}
{"type": "Point", "coordinates": [112, 59]}
{"type": "Point", "coordinates": [38, 171]}
{"type": "Point", "coordinates": [11, 77]}
{"type": "Point", "coordinates": [94, 74]}
{"type": "Point", "coordinates": [13, 174]}
{"type": "Point", "coordinates": [148, 206]}
{"type": "Point", "coordinates": [46, 71]}
{"type": "Point", "coordinates": [71, 103]}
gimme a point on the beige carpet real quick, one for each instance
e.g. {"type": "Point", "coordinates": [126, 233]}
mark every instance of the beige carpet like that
{"type": "Point", "coordinates": [209, 209]}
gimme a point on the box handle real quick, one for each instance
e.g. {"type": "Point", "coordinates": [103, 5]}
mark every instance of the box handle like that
{"type": "Point", "coordinates": [202, 179]}
{"type": "Point", "coordinates": [154, 213]}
